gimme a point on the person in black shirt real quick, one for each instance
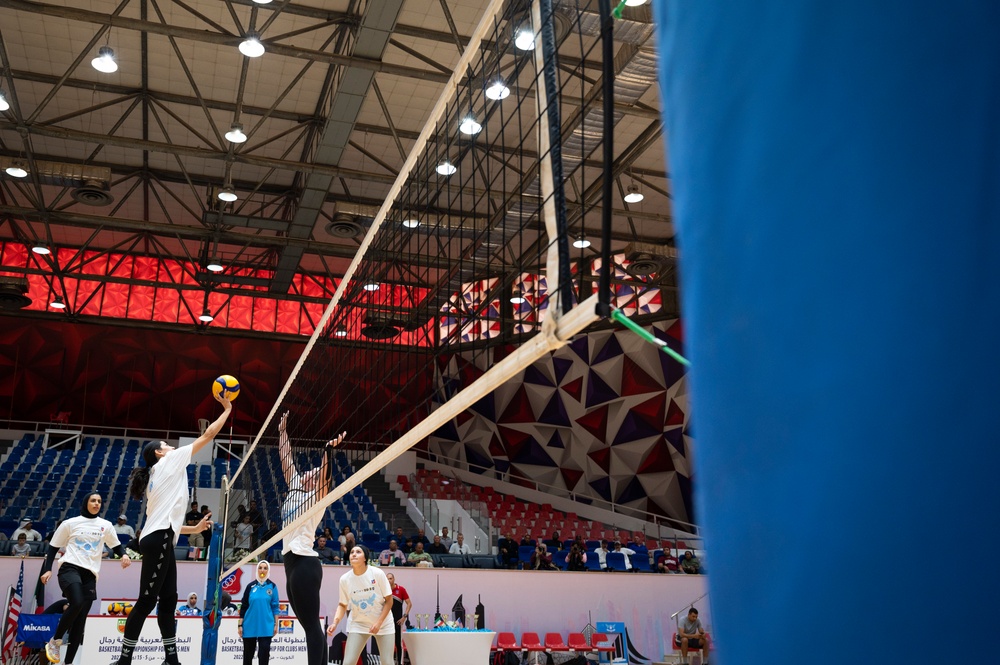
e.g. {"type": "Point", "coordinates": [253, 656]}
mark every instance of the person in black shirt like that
{"type": "Point", "coordinates": [437, 547]}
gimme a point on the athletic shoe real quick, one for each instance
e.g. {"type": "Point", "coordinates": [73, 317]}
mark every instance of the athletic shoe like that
{"type": "Point", "coordinates": [52, 648]}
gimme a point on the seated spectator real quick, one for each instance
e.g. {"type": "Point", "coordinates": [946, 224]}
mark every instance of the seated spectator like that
{"type": "Point", "coordinates": [527, 540]}
{"type": "Point", "coordinates": [241, 511]}
{"type": "Point", "coordinates": [342, 538]}
{"type": "Point", "coordinates": [393, 553]}
{"type": "Point", "coordinates": [227, 606]}
{"type": "Point", "coordinates": [445, 538]}
{"type": "Point", "coordinates": [407, 546]}
{"type": "Point", "coordinates": [602, 554]}
{"type": "Point", "coordinates": [578, 541]}
{"type": "Point", "coordinates": [541, 559]}
{"type": "Point", "coordinates": [577, 558]}
{"type": "Point", "coordinates": [690, 635]}
{"type": "Point", "coordinates": [21, 547]}
{"type": "Point", "coordinates": [460, 546]}
{"type": "Point", "coordinates": [124, 531]}
{"type": "Point", "coordinates": [638, 542]}
{"type": "Point", "coordinates": [508, 552]}
{"type": "Point", "coordinates": [345, 549]}
{"type": "Point", "coordinates": [29, 533]}
{"type": "Point", "coordinates": [272, 530]}
{"type": "Point", "coordinates": [628, 552]}
{"type": "Point", "coordinates": [690, 563]}
{"type": "Point", "coordinates": [400, 538]}
{"type": "Point", "coordinates": [191, 608]}
{"type": "Point", "coordinates": [256, 517]}
{"type": "Point", "coordinates": [666, 563]}
{"type": "Point", "coordinates": [243, 536]}
{"type": "Point", "coordinates": [328, 534]}
{"type": "Point", "coordinates": [554, 543]}
{"type": "Point", "coordinates": [325, 552]}
{"type": "Point", "coordinates": [437, 547]}
{"type": "Point", "coordinates": [420, 538]}
{"type": "Point", "coordinates": [418, 555]}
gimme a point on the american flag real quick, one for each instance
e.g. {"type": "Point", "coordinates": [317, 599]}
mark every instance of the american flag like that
{"type": "Point", "coordinates": [10, 627]}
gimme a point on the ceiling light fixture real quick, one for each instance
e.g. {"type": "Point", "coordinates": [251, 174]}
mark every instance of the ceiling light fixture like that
{"type": "Point", "coordinates": [581, 242]}
{"type": "Point", "coordinates": [4, 104]}
{"type": "Point", "coordinates": [633, 195]}
{"type": "Point", "coordinates": [371, 286]}
{"type": "Point", "coordinates": [267, 2]}
{"type": "Point", "coordinates": [518, 299]}
{"type": "Point", "coordinates": [215, 265]}
{"type": "Point", "coordinates": [17, 170]}
{"type": "Point", "coordinates": [235, 134]}
{"type": "Point", "coordinates": [57, 303]}
{"type": "Point", "coordinates": [524, 39]}
{"type": "Point", "coordinates": [41, 248]}
{"type": "Point", "coordinates": [498, 90]}
{"type": "Point", "coordinates": [470, 126]}
{"type": "Point", "coordinates": [206, 316]}
{"type": "Point", "coordinates": [635, 3]}
{"type": "Point", "coordinates": [341, 331]}
{"type": "Point", "coordinates": [411, 223]}
{"type": "Point", "coordinates": [105, 61]}
{"type": "Point", "coordinates": [227, 194]}
{"type": "Point", "coordinates": [251, 46]}
{"type": "Point", "coordinates": [446, 168]}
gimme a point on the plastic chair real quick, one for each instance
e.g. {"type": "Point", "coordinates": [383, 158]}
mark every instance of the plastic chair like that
{"type": "Point", "coordinates": [578, 642]}
{"type": "Point", "coordinates": [616, 561]}
{"type": "Point", "coordinates": [554, 642]}
{"type": "Point", "coordinates": [593, 561]}
{"type": "Point", "coordinates": [530, 642]}
{"type": "Point", "coordinates": [600, 643]}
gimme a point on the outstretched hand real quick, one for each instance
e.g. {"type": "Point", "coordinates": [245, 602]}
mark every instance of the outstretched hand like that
{"type": "Point", "coordinates": [222, 399]}
{"type": "Point", "coordinates": [333, 443]}
{"type": "Point", "coordinates": [283, 423]}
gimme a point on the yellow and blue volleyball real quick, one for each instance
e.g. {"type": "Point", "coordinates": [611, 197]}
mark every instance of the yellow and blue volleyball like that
{"type": "Point", "coordinates": [228, 386]}
{"type": "Point", "coordinates": [116, 608]}
{"type": "Point", "coordinates": [127, 609]}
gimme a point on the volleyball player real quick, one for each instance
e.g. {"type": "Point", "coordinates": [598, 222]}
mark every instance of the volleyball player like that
{"type": "Point", "coordinates": [163, 481]}
{"type": "Point", "coordinates": [303, 570]}
{"type": "Point", "coordinates": [365, 592]}
{"type": "Point", "coordinates": [84, 538]}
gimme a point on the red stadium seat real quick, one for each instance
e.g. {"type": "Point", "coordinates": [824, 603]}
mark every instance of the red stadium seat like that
{"type": "Point", "coordinates": [600, 642]}
{"type": "Point", "coordinates": [530, 642]}
{"type": "Point", "coordinates": [554, 642]}
{"type": "Point", "coordinates": [578, 642]}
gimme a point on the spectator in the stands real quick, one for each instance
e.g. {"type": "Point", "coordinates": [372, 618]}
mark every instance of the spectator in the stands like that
{"type": "Point", "coordinates": [421, 538]}
{"type": "Point", "coordinates": [690, 563]}
{"type": "Point", "coordinates": [460, 546]}
{"type": "Point", "coordinates": [243, 537]}
{"type": "Point", "coordinates": [345, 549]}
{"type": "Point", "coordinates": [507, 549]}
{"type": "Point", "coordinates": [190, 609]}
{"type": "Point", "coordinates": [206, 535]}
{"type": "Point", "coordinates": [638, 541]}
{"type": "Point", "coordinates": [342, 538]}
{"type": "Point", "coordinates": [192, 518]}
{"type": "Point", "coordinates": [554, 543]}
{"type": "Point", "coordinates": [577, 558]}
{"type": "Point", "coordinates": [390, 553]}
{"type": "Point", "coordinates": [26, 528]}
{"type": "Point", "coordinates": [400, 538]}
{"type": "Point", "coordinates": [256, 517]}
{"type": "Point", "coordinates": [328, 534]}
{"type": "Point", "coordinates": [437, 547]}
{"type": "Point", "coordinates": [272, 530]}
{"type": "Point", "coordinates": [124, 531]}
{"type": "Point", "coordinates": [325, 552]}
{"type": "Point", "coordinates": [602, 554]}
{"type": "Point", "coordinates": [578, 541]}
{"type": "Point", "coordinates": [527, 540]}
{"type": "Point", "coordinates": [446, 538]}
{"type": "Point", "coordinates": [407, 546]}
{"type": "Point", "coordinates": [20, 548]}
{"type": "Point", "coordinates": [690, 635]}
{"type": "Point", "coordinates": [541, 559]}
{"type": "Point", "coordinates": [241, 510]}
{"type": "Point", "coordinates": [666, 562]}
{"type": "Point", "coordinates": [418, 555]}
{"type": "Point", "coordinates": [628, 552]}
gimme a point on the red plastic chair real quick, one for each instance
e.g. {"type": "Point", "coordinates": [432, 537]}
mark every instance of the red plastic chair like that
{"type": "Point", "coordinates": [554, 642]}
{"type": "Point", "coordinates": [507, 642]}
{"type": "Point", "coordinates": [530, 642]}
{"type": "Point", "coordinates": [578, 642]}
{"type": "Point", "coordinates": [599, 642]}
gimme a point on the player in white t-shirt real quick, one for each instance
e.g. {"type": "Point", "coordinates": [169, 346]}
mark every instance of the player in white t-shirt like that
{"type": "Point", "coordinates": [163, 483]}
{"type": "Point", "coordinates": [366, 592]}
{"type": "Point", "coordinates": [84, 538]}
{"type": "Point", "coordinates": [303, 571]}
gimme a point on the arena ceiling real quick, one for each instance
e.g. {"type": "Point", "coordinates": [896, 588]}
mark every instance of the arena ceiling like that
{"type": "Point", "coordinates": [123, 168]}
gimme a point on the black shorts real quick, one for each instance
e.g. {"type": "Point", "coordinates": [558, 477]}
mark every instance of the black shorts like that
{"type": "Point", "coordinates": [693, 643]}
{"type": "Point", "coordinates": [70, 574]}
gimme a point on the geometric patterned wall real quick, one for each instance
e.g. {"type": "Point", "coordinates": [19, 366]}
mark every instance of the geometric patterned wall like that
{"type": "Point", "coordinates": [606, 416]}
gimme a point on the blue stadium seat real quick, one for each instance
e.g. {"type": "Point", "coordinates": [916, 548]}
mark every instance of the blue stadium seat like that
{"type": "Point", "coordinates": [616, 561]}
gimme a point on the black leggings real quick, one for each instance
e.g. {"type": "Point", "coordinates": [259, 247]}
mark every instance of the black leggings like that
{"type": "Point", "coordinates": [250, 645]}
{"type": "Point", "coordinates": [79, 587]}
{"type": "Point", "coordinates": [157, 584]}
{"type": "Point", "coordinates": [303, 580]}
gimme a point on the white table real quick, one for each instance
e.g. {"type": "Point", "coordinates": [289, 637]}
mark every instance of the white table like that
{"type": "Point", "coordinates": [448, 647]}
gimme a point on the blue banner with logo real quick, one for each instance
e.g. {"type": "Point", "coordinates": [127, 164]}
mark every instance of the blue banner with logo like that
{"type": "Point", "coordinates": [36, 629]}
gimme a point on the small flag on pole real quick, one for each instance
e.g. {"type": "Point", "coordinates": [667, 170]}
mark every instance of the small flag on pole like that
{"type": "Point", "coordinates": [13, 612]}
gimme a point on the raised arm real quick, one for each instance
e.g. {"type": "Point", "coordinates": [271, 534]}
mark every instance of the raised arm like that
{"type": "Point", "coordinates": [285, 449]}
{"type": "Point", "coordinates": [215, 427]}
{"type": "Point", "coordinates": [324, 469]}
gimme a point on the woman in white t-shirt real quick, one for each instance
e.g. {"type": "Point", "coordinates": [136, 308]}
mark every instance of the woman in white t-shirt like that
{"type": "Point", "coordinates": [163, 483]}
{"type": "Point", "coordinates": [366, 592]}
{"type": "Point", "coordinates": [243, 537]}
{"type": "Point", "coordinates": [84, 538]}
{"type": "Point", "coordinates": [303, 571]}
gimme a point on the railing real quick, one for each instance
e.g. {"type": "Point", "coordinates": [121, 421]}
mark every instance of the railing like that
{"type": "Point", "coordinates": [477, 510]}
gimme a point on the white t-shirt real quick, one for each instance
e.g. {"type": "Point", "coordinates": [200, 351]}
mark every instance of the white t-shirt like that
{"type": "Point", "coordinates": [460, 549]}
{"type": "Point", "coordinates": [84, 539]}
{"type": "Point", "coordinates": [297, 501]}
{"type": "Point", "coordinates": [364, 596]}
{"type": "Point", "coordinates": [124, 530]}
{"type": "Point", "coordinates": [243, 533]}
{"type": "Point", "coordinates": [167, 493]}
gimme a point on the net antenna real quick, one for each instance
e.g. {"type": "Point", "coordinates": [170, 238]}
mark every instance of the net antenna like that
{"type": "Point", "coordinates": [516, 207]}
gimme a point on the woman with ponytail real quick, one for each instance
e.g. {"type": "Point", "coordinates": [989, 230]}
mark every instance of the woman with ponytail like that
{"type": "Point", "coordinates": [84, 538]}
{"type": "Point", "coordinates": [163, 483]}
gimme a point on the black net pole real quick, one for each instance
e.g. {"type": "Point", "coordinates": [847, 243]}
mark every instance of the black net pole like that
{"type": "Point", "coordinates": [608, 77]}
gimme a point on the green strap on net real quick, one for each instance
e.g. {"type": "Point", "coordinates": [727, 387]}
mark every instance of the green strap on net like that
{"type": "Point", "coordinates": [617, 11]}
{"type": "Point", "coordinates": [616, 315]}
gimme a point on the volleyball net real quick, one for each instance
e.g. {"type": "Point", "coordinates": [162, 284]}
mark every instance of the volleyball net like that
{"type": "Point", "coordinates": [474, 252]}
